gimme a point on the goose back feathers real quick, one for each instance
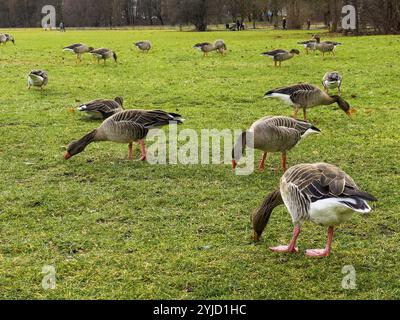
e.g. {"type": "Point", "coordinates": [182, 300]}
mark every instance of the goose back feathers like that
{"type": "Point", "coordinates": [102, 108]}
{"type": "Point", "coordinates": [104, 54]}
{"type": "Point", "coordinates": [143, 45]}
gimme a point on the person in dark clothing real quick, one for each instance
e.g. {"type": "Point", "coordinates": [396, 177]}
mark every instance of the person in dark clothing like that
{"type": "Point", "coordinates": [284, 22]}
{"type": "Point", "coordinates": [238, 25]}
{"type": "Point", "coordinates": [308, 24]}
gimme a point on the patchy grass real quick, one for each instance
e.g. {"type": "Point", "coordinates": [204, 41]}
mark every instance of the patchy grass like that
{"type": "Point", "coordinates": [129, 230]}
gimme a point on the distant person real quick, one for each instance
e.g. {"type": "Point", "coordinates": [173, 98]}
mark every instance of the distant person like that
{"type": "Point", "coordinates": [284, 22]}
{"type": "Point", "coordinates": [238, 25]}
{"type": "Point", "coordinates": [270, 16]}
{"type": "Point", "coordinates": [242, 26]}
{"type": "Point", "coordinates": [62, 27]}
{"type": "Point", "coordinates": [308, 24]}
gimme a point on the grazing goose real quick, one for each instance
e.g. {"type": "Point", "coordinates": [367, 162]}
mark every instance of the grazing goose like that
{"type": "Point", "coordinates": [37, 78]}
{"type": "Point", "coordinates": [220, 46]}
{"type": "Point", "coordinates": [280, 55]}
{"type": "Point", "coordinates": [104, 53]}
{"type": "Point", "coordinates": [273, 134]}
{"type": "Point", "coordinates": [4, 38]}
{"type": "Point", "coordinates": [206, 47]}
{"type": "Point", "coordinates": [125, 127]}
{"type": "Point", "coordinates": [143, 45]}
{"type": "Point", "coordinates": [332, 80]}
{"type": "Point", "coordinates": [102, 108]}
{"type": "Point", "coordinates": [307, 96]}
{"type": "Point", "coordinates": [78, 49]}
{"type": "Point", "coordinates": [321, 193]}
{"type": "Point", "coordinates": [309, 45]}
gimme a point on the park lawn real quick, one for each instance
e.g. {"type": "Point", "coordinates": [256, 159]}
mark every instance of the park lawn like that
{"type": "Point", "coordinates": [113, 228]}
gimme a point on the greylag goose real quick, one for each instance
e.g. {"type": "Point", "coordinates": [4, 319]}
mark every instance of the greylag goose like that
{"type": "Point", "coordinates": [104, 53]}
{"type": "Point", "coordinates": [307, 96]}
{"type": "Point", "coordinates": [321, 193]}
{"type": "Point", "coordinates": [220, 46]}
{"type": "Point", "coordinates": [37, 78]}
{"type": "Point", "coordinates": [102, 108]}
{"type": "Point", "coordinates": [280, 55]}
{"type": "Point", "coordinates": [125, 127]}
{"type": "Point", "coordinates": [309, 45]}
{"type": "Point", "coordinates": [78, 49]}
{"type": "Point", "coordinates": [143, 45]}
{"type": "Point", "coordinates": [332, 80]}
{"type": "Point", "coordinates": [273, 134]}
{"type": "Point", "coordinates": [206, 47]}
{"type": "Point", "coordinates": [326, 46]}
{"type": "Point", "coordinates": [4, 38]}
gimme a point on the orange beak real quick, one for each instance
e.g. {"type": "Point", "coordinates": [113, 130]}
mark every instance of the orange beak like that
{"type": "Point", "coordinates": [234, 164]}
{"type": "Point", "coordinates": [349, 114]}
{"type": "Point", "coordinates": [67, 155]}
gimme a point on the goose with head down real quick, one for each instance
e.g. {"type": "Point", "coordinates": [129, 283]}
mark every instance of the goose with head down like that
{"type": "Point", "coordinates": [280, 55]}
{"type": "Point", "coordinates": [305, 96]}
{"type": "Point", "coordinates": [332, 80]}
{"type": "Point", "coordinates": [102, 108]}
{"type": "Point", "coordinates": [37, 78]}
{"type": "Point", "coordinates": [4, 38]}
{"type": "Point", "coordinates": [143, 45]}
{"type": "Point", "coordinates": [272, 134]}
{"type": "Point", "coordinates": [125, 127]}
{"type": "Point", "coordinates": [78, 49]}
{"type": "Point", "coordinates": [321, 193]}
{"type": "Point", "coordinates": [104, 54]}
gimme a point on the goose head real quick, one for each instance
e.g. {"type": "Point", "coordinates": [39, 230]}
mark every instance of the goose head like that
{"type": "Point", "coordinates": [344, 105]}
{"type": "Point", "coordinates": [119, 100]}
{"type": "Point", "coordinates": [295, 51]}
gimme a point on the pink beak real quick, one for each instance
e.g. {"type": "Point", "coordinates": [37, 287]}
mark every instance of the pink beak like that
{"type": "Point", "coordinates": [67, 155]}
{"type": "Point", "coordinates": [234, 164]}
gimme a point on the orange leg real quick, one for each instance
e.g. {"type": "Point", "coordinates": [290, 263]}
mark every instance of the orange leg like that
{"type": "Point", "coordinates": [305, 114]}
{"type": "Point", "coordinates": [291, 248]}
{"type": "Point", "coordinates": [296, 111]}
{"type": "Point", "coordinates": [130, 151]}
{"type": "Point", "coordinates": [322, 252]}
{"type": "Point", "coordinates": [261, 166]}
{"type": "Point", "coordinates": [143, 150]}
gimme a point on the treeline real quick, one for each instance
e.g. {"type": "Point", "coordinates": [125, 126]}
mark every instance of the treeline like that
{"type": "Point", "coordinates": [381, 16]}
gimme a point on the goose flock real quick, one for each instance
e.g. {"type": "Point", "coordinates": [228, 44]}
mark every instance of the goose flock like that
{"type": "Point", "coordinates": [320, 192]}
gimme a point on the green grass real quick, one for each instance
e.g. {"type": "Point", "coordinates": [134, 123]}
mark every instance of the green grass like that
{"type": "Point", "coordinates": [130, 230]}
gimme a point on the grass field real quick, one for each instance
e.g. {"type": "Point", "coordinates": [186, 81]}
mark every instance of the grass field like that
{"type": "Point", "coordinates": [129, 230]}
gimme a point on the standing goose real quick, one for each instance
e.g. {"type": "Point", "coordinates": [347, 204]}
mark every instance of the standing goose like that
{"type": "Point", "coordinates": [78, 49]}
{"type": "Point", "coordinates": [37, 78]}
{"type": "Point", "coordinates": [143, 45]}
{"type": "Point", "coordinates": [332, 80]}
{"type": "Point", "coordinates": [326, 46]}
{"type": "Point", "coordinates": [321, 193]}
{"type": "Point", "coordinates": [102, 108]}
{"type": "Point", "coordinates": [125, 127]}
{"type": "Point", "coordinates": [273, 134]}
{"type": "Point", "coordinates": [104, 53]}
{"type": "Point", "coordinates": [207, 47]}
{"type": "Point", "coordinates": [307, 96]}
{"type": "Point", "coordinates": [280, 55]}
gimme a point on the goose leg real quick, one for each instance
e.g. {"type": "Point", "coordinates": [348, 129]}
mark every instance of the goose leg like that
{"type": "Point", "coordinates": [261, 166]}
{"type": "Point", "coordinates": [130, 151]}
{"type": "Point", "coordinates": [305, 114]}
{"type": "Point", "coordinates": [143, 150]}
{"type": "Point", "coordinates": [296, 111]}
{"type": "Point", "coordinates": [283, 161]}
{"type": "Point", "coordinates": [291, 248]}
{"type": "Point", "coordinates": [322, 252]}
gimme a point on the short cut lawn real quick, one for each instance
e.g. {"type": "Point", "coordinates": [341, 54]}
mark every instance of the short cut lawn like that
{"type": "Point", "coordinates": [118, 229]}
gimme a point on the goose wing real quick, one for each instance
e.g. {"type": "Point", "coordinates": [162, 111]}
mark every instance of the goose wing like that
{"type": "Point", "coordinates": [289, 123]}
{"type": "Point", "coordinates": [146, 118]}
{"type": "Point", "coordinates": [73, 46]}
{"type": "Point", "coordinates": [101, 51]}
{"type": "Point", "coordinates": [274, 53]}
{"type": "Point", "coordinates": [105, 107]}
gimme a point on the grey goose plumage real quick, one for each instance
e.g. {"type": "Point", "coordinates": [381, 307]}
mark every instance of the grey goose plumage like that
{"type": "Point", "coordinates": [206, 47]}
{"type": "Point", "coordinates": [104, 54]}
{"type": "Point", "coordinates": [272, 134]}
{"type": "Point", "coordinates": [102, 108]}
{"type": "Point", "coordinates": [321, 193]}
{"type": "Point", "coordinates": [125, 127]}
{"type": "Point", "coordinates": [332, 80]}
{"type": "Point", "coordinates": [143, 45]}
{"type": "Point", "coordinates": [38, 78]}
{"type": "Point", "coordinates": [78, 49]}
{"type": "Point", "coordinates": [5, 37]}
{"type": "Point", "coordinates": [305, 96]}
{"type": "Point", "coordinates": [280, 55]}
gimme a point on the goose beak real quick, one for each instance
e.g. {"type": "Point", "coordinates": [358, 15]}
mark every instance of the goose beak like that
{"type": "Point", "coordinates": [349, 115]}
{"type": "Point", "coordinates": [234, 164]}
{"type": "Point", "coordinates": [67, 155]}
